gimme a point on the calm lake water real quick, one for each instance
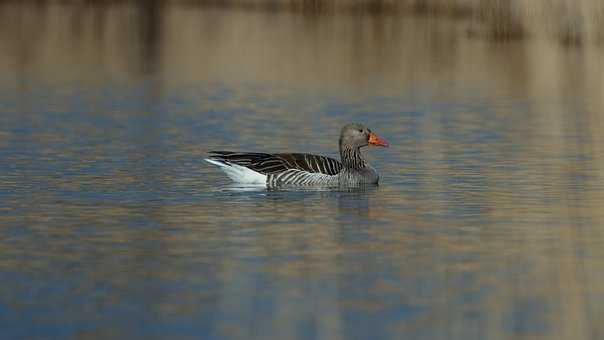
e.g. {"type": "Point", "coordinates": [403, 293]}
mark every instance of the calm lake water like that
{"type": "Point", "coordinates": [488, 222]}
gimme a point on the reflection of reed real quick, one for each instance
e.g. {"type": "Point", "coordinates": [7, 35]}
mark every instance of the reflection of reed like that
{"type": "Point", "coordinates": [572, 22]}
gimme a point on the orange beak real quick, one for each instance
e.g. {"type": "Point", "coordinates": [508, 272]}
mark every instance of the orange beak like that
{"type": "Point", "coordinates": [375, 140]}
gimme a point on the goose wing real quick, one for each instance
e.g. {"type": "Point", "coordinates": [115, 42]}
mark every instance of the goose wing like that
{"type": "Point", "coordinates": [266, 163]}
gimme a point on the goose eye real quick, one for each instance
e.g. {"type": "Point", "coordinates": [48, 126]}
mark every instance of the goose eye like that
{"type": "Point", "coordinates": [361, 131]}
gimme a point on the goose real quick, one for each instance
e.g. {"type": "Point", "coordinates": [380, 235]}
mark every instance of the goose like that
{"type": "Point", "coordinates": [302, 169]}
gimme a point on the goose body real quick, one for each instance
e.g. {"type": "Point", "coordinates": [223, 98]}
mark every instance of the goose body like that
{"type": "Point", "coordinates": [301, 169]}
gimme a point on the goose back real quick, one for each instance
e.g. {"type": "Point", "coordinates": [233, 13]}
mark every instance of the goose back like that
{"type": "Point", "coordinates": [270, 164]}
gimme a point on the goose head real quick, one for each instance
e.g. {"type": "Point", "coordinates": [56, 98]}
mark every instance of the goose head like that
{"type": "Point", "coordinates": [356, 135]}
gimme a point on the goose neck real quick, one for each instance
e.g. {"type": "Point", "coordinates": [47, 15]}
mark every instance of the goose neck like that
{"type": "Point", "coordinates": [351, 157]}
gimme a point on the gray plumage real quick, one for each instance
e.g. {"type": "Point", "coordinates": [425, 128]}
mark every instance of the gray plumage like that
{"type": "Point", "coordinates": [304, 170]}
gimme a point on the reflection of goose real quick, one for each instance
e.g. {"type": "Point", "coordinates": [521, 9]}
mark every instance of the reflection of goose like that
{"type": "Point", "coordinates": [298, 169]}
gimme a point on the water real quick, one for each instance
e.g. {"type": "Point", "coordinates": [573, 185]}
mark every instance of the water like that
{"type": "Point", "coordinates": [487, 222]}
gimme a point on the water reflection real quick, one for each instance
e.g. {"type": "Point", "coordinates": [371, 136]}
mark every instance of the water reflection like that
{"type": "Point", "coordinates": [487, 222]}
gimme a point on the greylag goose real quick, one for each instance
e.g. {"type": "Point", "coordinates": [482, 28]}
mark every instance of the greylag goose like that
{"type": "Point", "coordinates": [300, 169]}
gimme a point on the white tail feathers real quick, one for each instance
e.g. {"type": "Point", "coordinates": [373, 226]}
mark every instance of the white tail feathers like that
{"type": "Point", "coordinates": [238, 173]}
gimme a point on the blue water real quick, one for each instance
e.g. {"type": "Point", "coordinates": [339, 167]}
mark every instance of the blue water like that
{"type": "Point", "coordinates": [486, 223]}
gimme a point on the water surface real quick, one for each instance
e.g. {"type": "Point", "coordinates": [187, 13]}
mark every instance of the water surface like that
{"type": "Point", "coordinates": [487, 222]}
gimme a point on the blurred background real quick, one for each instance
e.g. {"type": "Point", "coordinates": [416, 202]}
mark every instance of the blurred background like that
{"type": "Point", "coordinates": [487, 224]}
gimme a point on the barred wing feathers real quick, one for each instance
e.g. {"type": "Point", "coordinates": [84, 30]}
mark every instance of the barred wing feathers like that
{"type": "Point", "coordinates": [268, 164]}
